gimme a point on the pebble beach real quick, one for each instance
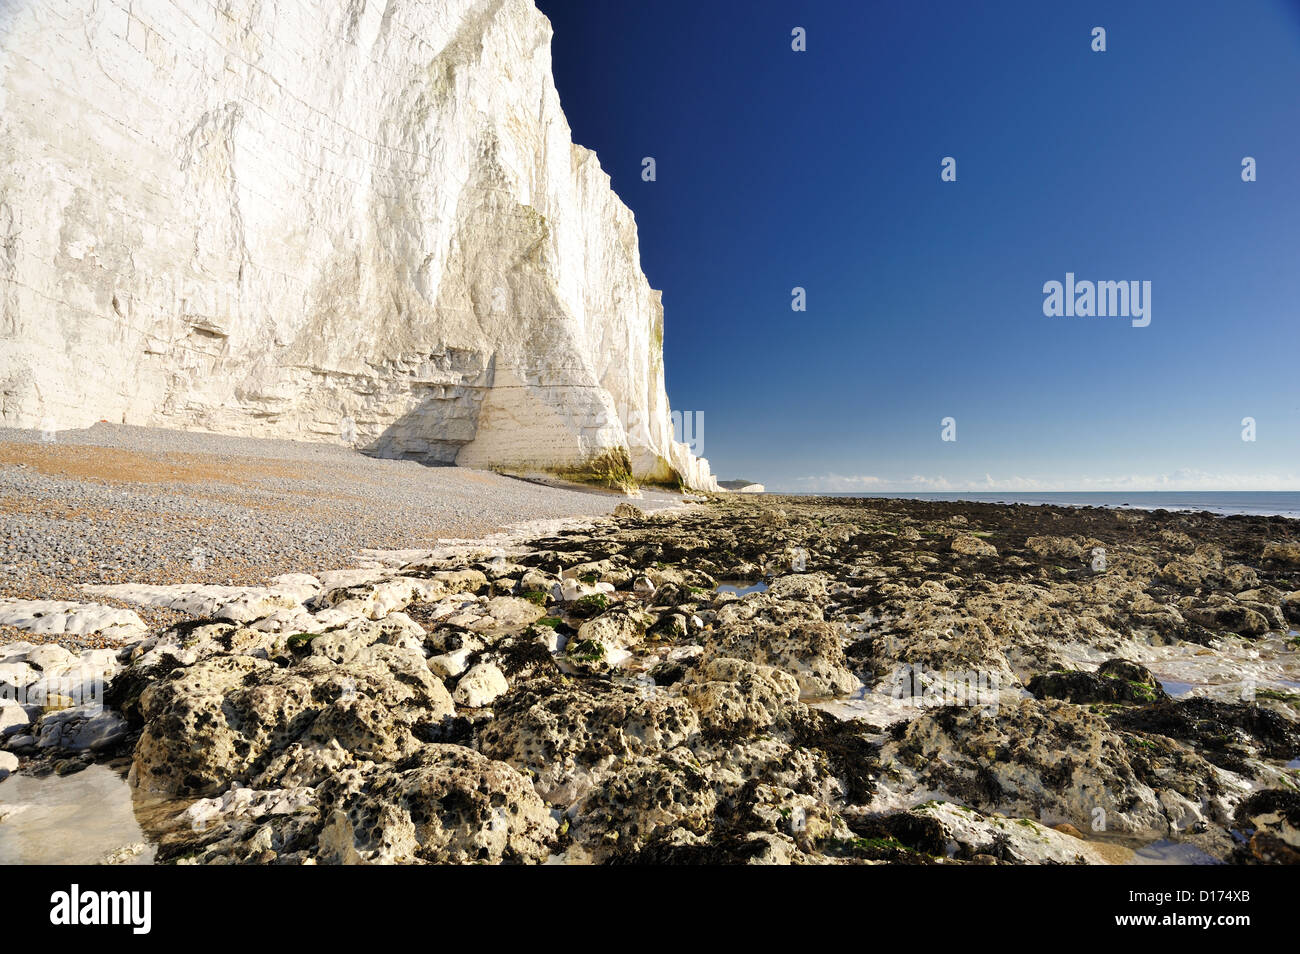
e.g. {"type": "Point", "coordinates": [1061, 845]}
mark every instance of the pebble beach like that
{"type": "Point", "coordinates": [115, 504]}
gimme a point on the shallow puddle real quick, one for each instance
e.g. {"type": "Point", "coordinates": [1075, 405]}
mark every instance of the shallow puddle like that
{"type": "Point", "coordinates": [741, 588]}
{"type": "Point", "coordinates": [1235, 670]}
{"type": "Point", "coordinates": [78, 819]}
{"type": "Point", "coordinates": [1175, 688]}
{"type": "Point", "coordinates": [1172, 853]}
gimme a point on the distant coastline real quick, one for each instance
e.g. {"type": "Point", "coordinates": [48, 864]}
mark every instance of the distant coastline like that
{"type": "Point", "coordinates": [1284, 503]}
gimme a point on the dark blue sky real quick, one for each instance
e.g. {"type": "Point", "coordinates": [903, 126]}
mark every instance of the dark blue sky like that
{"type": "Point", "coordinates": [925, 298]}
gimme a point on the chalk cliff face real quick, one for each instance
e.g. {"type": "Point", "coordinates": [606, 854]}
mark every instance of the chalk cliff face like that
{"type": "Point", "coordinates": [294, 219]}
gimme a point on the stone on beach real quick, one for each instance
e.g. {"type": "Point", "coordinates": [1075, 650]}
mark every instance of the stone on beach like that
{"type": "Point", "coordinates": [480, 686]}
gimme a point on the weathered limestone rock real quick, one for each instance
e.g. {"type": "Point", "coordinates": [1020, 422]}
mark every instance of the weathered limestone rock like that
{"type": "Point", "coordinates": [786, 635]}
{"type": "Point", "coordinates": [900, 703]}
{"type": "Point", "coordinates": [566, 739]}
{"type": "Point", "coordinates": [970, 545]}
{"type": "Point", "coordinates": [1287, 554]}
{"type": "Point", "coordinates": [211, 722]}
{"type": "Point", "coordinates": [480, 686]}
{"type": "Point", "coordinates": [1019, 841]}
{"type": "Point", "coordinates": [61, 617]}
{"type": "Point", "coordinates": [453, 807]}
{"type": "Point", "coordinates": [1048, 547]}
{"type": "Point", "coordinates": [620, 627]}
{"type": "Point", "coordinates": [733, 695]}
{"type": "Point", "coordinates": [342, 221]}
{"type": "Point", "coordinates": [1019, 762]}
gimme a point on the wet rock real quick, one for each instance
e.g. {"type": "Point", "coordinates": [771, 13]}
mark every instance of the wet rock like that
{"type": "Point", "coordinates": [81, 727]}
{"type": "Point", "coordinates": [1228, 735]}
{"type": "Point", "coordinates": [1044, 759]}
{"type": "Point", "coordinates": [239, 803]}
{"type": "Point", "coordinates": [1271, 821]}
{"type": "Point", "coordinates": [1116, 680]}
{"type": "Point", "coordinates": [1226, 614]}
{"type": "Point", "coordinates": [967, 834]}
{"type": "Point", "coordinates": [1291, 606]}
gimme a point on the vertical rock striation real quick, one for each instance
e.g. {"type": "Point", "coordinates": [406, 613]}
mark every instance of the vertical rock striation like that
{"type": "Point", "coordinates": [293, 219]}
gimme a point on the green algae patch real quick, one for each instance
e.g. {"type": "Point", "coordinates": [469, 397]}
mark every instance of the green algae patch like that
{"type": "Point", "coordinates": [611, 469]}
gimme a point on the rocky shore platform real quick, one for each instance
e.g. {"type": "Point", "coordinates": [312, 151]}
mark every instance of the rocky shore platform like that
{"type": "Point", "coordinates": [749, 680]}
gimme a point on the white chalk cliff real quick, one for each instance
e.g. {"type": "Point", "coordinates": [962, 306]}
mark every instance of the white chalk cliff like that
{"type": "Point", "coordinates": [300, 218]}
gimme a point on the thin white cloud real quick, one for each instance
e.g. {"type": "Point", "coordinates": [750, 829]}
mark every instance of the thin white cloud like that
{"type": "Point", "coordinates": [1184, 479]}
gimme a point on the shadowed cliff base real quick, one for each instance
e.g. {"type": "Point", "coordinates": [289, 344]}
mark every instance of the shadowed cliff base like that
{"type": "Point", "coordinates": [607, 470]}
{"type": "Point", "coordinates": [557, 451]}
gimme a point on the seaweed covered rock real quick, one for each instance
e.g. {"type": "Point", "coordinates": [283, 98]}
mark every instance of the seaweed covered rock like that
{"type": "Point", "coordinates": [1231, 735]}
{"type": "Point", "coordinates": [1116, 680]}
{"type": "Point", "coordinates": [650, 718]}
{"type": "Point", "coordinates": [1271, 822]}
{"type": "Point", "coordinates": [1048, 759]}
